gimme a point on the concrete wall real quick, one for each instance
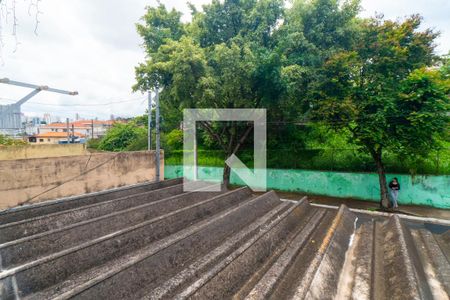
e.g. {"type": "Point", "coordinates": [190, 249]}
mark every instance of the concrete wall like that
{"type": "Point", "coordinates": [431, 191]}
{"type": "Point", "coordinates": [40, 151]}
{"type": "Point", "coordinates": [36, 180]}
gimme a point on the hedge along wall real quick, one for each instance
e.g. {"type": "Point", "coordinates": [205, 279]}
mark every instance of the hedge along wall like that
{"type": "Point", "coordinates": [431, 191]}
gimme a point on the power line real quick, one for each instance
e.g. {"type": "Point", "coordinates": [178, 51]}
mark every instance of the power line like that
{"type": "Point", "coordinates": [87, 105]}
{"type": "Point", "coordinates": [82, 105]}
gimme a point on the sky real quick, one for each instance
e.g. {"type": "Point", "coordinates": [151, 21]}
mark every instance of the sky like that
{"type": "Point", "coordinates": [91, 46]}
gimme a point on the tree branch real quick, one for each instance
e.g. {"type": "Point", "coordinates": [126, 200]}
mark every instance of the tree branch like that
{"type": "Point", "coordinates": [243, 138]}
{"type": "Point", "coordinates": [214, 135]}
{"type": "Point", "coordinates": [232, 137]}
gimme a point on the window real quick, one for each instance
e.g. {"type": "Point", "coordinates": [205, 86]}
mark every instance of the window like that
{"type": "Point", "coordinates": [41, 140]}
{"type": "Point", "coordinates": [48, 140]}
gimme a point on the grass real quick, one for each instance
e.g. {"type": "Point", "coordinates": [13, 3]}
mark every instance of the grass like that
{"type": "Point", "coordinates": [349, 160]}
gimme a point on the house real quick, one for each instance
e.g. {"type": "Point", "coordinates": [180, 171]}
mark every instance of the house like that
{"type": "Point", "coordinates": [54, 137]}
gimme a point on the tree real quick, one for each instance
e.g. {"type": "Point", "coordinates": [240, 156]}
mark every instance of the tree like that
{"type": "Point", "coordinates": [174, 140]}
{"type": "Point", "coordinates": [224, 58]}
{"type": "Point", "coordinates": [121, 136]}
{"type": "Point", "coordinates": [312, 32]}
{"type": "Point", "coordinates": [384, 92]}
{"type": "Point", "coordinates": [445, 68]}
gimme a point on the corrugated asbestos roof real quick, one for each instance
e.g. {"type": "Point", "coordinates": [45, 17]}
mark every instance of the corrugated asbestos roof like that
{"type": "Point", "coordinates": [153, 241]}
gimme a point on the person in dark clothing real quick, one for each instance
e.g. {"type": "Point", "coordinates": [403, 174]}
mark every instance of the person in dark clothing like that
{"type": "Point", "coordinates": [395, 188]}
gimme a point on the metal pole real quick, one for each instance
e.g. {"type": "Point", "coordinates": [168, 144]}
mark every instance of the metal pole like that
{"type": "Point", "coordinates": [73, 133]}
{"type": "Point", "coordinates": [68, 131]}
{"type": "Point", "coordinates": [149, 142]}
{"type": "Point", "coordinates": [158, 145]}
{"type": "Point", "coordinates": [195, 157]}
{"type": "Point", "coordinates": [37, 87]}
{"type": "Point", "coordinates": [92, 128]}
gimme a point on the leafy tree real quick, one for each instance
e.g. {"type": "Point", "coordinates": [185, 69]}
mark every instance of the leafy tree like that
{"type": "Point", "coordinates": [383, 94]}
{"type": "Point", "coordinates": [224, 59]}
{"type": "Point", "coordinates": [316, 59]}
{"type": "Point", "coordinates": [312, 32]}
{"type": "Point", "coordinates": [445, 68]}
{"type": "Point", "coordinates": [160, 25]}
{"type": "Point", "coordinates": [121, 136]}
{"type": "Point", "coordinates": [174, 140]}
{"type": "Point", "coordinates": [93, 143]}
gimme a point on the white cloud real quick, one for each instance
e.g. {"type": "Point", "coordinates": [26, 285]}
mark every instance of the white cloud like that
{"type": "Point", "coordinates": [93, 47]}
{"type": "Point", "coordinates": [435, 15]}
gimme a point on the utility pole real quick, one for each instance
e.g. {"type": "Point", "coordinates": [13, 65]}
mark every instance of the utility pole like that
{"type": "Point", "coordinates": [68, 131]}
{"type": "Point", "coordinates": [149, 142]}
{"type": "Point", "coordinates": [73, 133]}
{"type": "Point", "coordinates": [92, 128]}
{"type": "Point", "coordinates": [195, 158]}
{"type": "Point", "coordinates": [158, 145]}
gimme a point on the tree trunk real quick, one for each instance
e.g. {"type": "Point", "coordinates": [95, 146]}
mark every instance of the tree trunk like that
{"type": "Point", "coordinates": [233, 149]}
{"type": "Point", "coordinates": [226, 176]}
{"type": "Point", "coordinates": [384, 199]}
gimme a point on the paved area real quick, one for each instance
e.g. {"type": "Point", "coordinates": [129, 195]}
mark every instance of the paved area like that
{"type": "Point", "coordinates": [154, 241]}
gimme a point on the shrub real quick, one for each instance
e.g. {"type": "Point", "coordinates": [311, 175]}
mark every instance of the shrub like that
{"type": "Point", "coordinates": [121, 136]}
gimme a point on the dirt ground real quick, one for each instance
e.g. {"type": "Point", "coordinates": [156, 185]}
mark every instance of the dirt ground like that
{"type": "Point", "coordinates": [419, 211]}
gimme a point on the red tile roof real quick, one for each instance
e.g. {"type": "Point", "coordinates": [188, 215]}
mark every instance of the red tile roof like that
{"type": "Point", "coordinates": [78, 124]}
{"type": "Point", "coordinates": [57, 135]}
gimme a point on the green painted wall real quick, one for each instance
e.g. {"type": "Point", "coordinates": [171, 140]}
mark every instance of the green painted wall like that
{"type": "Point", "coordinates": [417, 190]}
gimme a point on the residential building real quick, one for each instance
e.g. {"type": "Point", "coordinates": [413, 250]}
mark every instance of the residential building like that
{"type": "Point", "coordinates": [55, 138]}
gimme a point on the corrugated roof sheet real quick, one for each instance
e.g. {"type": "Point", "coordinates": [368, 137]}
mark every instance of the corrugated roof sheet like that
{"type": "Point", "coordinates": [154, 241]}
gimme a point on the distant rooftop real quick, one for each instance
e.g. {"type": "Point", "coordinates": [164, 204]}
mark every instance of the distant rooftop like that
{"type": "Point", "coordinates": [81, 123]}
{"type": "Point", "coordinates": [58, 135]}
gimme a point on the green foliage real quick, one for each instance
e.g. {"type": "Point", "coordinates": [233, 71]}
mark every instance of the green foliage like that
{"type": "Point", "coordinates": [212, 158]}
{"type": "Point", "coordinates": [369, 91]}
{"type": "Point", "coordinates": [423, 107]}
{"type": "Point", "coordinates": [445, 68]}
{"type": "Point", "coordinates": [141, 121]}
{"type": "Point", "coordinates": [314, 30]}
{"type": "Point", "coordinates": [174, 140]}
{"type": "Point", "coordinates": [252, 20]}
{"type": "Point", "coordinates": [140, 143]}
{"type": "Point", "coordinates": [121, 136]}
{"type": "Point", "coordinates": [160, 25]}
{"type": "Point", "coordinates": [369, 80]}
{"type": "Point", "coordinates": [382, 94]}
{"type": "Point", "coordinates": [93, 144]}
{"type": "Point", "coordinates": [7, 141]}
{"type": "Point", "coordinates": [338, 160]}
{"type": "Point", "coordinates": [225, 58]}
